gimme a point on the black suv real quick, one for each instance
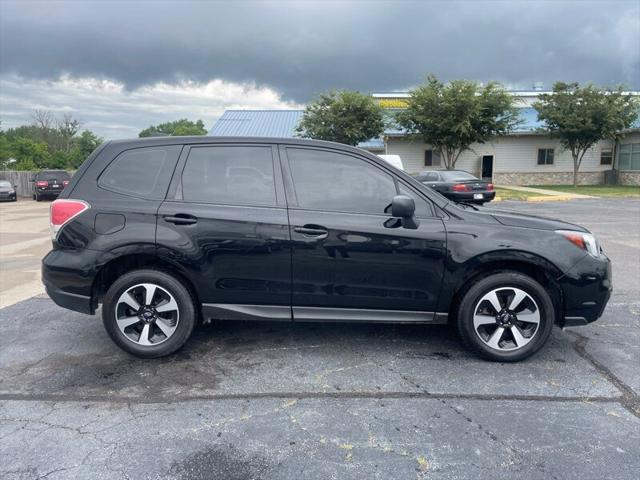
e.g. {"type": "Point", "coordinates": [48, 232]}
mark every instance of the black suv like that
{"type": "Point", "coordinates": [165, 232]}
{"type": "Point", "coordinates": [49, 183]}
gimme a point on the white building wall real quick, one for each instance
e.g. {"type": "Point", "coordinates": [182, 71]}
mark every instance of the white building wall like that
{"type": "Point", "coordinates": [515, 159]}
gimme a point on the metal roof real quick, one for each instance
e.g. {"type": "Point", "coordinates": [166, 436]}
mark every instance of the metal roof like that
{"type": "Point", "coordinates": [268, 123]}
{"type": "Point", "coordinates": [257, 123]}
{"type": "Point", "coordinates": [282, 124]}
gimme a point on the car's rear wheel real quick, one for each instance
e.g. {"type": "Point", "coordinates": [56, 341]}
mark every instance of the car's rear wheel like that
{"type": "Point", "coordinates": [505, 317]}
{"type": "Point", "coordinates": [148, 313]}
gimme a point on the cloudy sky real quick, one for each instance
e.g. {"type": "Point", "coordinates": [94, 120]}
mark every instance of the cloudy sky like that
{"type": "Point", "coordinates": [119, 66]}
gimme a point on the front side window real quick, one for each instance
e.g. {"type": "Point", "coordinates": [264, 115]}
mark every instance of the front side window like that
{"type": "Point", "coordinates": [431, 158]}
{"type": "Point", "coordinates": [336, 182]}
{"type": "Point", "coordinates": [423, 208]}
{"type": "Point", "coordinates": [545, 156]}
{"type": "Point", "coordinates": [629, 158]}
{"type": "Point", "coordinates": [235, 175]}
{"type": "Point", "coordinates": [142, 172]}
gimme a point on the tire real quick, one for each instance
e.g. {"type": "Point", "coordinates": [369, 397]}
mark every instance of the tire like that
{"type": "Point", "coordinates": [166, 331]}
{"type": "Point", "coordinates": [38, 197]}
{"type": "Point", "coordinates": [522, 301]}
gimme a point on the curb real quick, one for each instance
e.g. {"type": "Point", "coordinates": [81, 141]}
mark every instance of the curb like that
{"type": "Point", "coordinates": [539, 198]}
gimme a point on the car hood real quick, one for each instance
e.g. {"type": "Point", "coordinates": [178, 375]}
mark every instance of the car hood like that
{"type": "Point", "coordinates": [6, 189]}
{"type": "Point", "coordinates": [515, 219]}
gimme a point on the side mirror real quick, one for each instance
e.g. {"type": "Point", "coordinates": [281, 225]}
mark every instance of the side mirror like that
{"type": "Point", "coordinates": [404, 208]}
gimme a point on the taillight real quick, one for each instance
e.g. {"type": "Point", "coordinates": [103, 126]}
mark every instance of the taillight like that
{"type": "Point", "coordinates": [63, 211]}
{"type": "Point", "coordinates": [460, 187]}
{"type": "Point", "coordinates": [490, 186]}
{"type": "Point", "coordinates": [65, 183]}
{"type": "Point", "coordinates": [42, 184]}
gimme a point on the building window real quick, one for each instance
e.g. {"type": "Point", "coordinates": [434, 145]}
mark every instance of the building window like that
{"type": "Point", "coordinates": [606, 157]}
{"type": "Point", "coordinates": [545, 156]}
{"type": "Point", "coordinates": [629, 158]}
{"type": "Point", "coordinates": [431, 158]}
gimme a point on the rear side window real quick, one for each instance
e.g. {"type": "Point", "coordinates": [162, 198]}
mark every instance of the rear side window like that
{"type": "Point", "coordinates": [229, 175]}
{"type": "Point", "coordinates": [336, 182]}
{"type": "Point", "coordinates": [142, 172]}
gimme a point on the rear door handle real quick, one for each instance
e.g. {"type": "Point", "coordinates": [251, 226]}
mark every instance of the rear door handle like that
{"type": "Point", "coordinates": [181, 219]}
{"type": "Point", "coordinates": [312, 230]}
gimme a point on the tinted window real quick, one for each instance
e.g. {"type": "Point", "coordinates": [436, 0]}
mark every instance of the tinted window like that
{"type": "Point", "coordinates": [336, 182]}
{"type": "Point", "coordinates": [456, 176]}
{"type": "Point", "coordinates": [54, 175]}
{"type": "Point", "coordinates": [229, 175]}
{"type": "Point", "coordinates": [423, 209]}
{"type": "Point", "coordinates": [143, 172]}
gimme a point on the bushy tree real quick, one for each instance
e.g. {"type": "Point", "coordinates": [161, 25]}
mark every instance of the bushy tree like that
{"type": "Point", "coordinates": [451, 117]}
{"type": "Point", "coordinates": [580, 116]}
{"type": "Point", "coordinates": [46, 143]}
{"type": "Point", "coordinates": [179, 127]}
{"type": "Point", "coordinates": [342, 116]}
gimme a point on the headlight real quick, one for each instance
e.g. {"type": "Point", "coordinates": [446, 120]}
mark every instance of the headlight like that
{"type": "Point", "coordinates": [585, 241]}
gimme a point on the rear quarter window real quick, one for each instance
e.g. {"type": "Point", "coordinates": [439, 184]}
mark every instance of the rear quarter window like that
{"type": "Point", "coordinates": [141, 172]}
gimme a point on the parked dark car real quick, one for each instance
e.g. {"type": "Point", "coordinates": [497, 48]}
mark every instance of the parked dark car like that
{"type": "Point", "coordinates": [458, 185]}
{"type": "Point", "coordinates": [8, 191]}
{"type": "Point", "coordinates": [49, 183]}
{"type": "Point", "coordinates": [165, 232]}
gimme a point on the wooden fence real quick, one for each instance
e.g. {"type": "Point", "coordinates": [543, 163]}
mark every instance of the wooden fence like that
{"type": "Point", "coordinates": [22, 180]}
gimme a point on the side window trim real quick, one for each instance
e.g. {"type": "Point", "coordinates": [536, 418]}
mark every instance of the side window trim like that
{"type": "Point", "coordinates": [175, 189]}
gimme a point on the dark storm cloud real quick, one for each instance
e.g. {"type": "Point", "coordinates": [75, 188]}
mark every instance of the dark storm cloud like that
{"type": "Point", "coordinates": [300, 48]}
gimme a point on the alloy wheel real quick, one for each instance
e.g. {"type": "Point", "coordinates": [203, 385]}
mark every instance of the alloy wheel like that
{"type": "Point", "coordinates": [506, 318]}
{"type": "Point", "coordinates": [147, 314]}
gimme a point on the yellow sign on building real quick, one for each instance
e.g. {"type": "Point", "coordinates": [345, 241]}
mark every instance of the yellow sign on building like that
{"type": "Point", "coordinates": [392, 102]}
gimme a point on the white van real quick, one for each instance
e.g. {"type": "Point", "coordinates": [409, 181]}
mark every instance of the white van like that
{"type": "Point", "coordinates": [394, 160]}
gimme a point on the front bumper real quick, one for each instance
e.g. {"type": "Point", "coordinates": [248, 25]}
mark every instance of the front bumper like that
{"type": "Point", "coordinates": [586, 290]}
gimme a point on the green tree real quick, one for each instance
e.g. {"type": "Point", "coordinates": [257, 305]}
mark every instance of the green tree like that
{"type": "Point", "coordinates": [179, 127]}
{"type": "Point", "coordinates": [580, 116]}
{"type": "Point", "coordinates": [451, 117]}
{"type": "Point", "coordinates": [342, 116]}
{"type": "Point", "coordinates": [83, 146]}
{"type": "Point", "coordinates": [30, 153]}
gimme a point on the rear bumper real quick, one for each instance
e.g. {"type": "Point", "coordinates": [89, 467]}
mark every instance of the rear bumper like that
{"type": "Point", "coordinates": [586, 290]}
{"type": "Point", "coordinates": [68, 280]}
{"type": "Point", "coordinates": [487, 196]}
{"type": "Point", "coordinates": [72, 301]}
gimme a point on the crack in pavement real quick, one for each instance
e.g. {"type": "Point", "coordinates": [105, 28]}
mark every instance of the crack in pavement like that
{"type": "Point", "coordinates": [630, 400]}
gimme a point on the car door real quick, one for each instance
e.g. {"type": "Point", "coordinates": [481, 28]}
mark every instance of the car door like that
{"type": "Point", "coordinates": [225, 223]}
{"type": "Point", "coordinates": [351, 259]}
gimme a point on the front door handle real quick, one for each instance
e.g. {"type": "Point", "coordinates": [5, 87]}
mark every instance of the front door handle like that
{"type": "Point", "coordinates": [312, 230]}
{"type": "Point", "coordinates": [181, 219]}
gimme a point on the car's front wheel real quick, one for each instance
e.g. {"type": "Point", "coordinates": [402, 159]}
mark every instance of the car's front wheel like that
{"type": "Point", "coordinates": [148, 313]}
{"type": "Point", "coordinates": [505, 317]}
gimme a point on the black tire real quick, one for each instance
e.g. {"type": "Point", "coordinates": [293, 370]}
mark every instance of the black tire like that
{"type": "Point", "coordinates": [38, 198]}
{"type": "Point", "coordinates": [184, 300]}
{"type": "Point", "coordinates": [476, 291]}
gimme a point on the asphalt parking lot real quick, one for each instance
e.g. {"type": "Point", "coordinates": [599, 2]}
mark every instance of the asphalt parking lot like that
{"type": "Point", "coordinates": [272, 400]}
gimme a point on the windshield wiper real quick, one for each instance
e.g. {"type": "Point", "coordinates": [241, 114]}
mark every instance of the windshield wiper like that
{"type": "Point", "coordinates": [467, 204]}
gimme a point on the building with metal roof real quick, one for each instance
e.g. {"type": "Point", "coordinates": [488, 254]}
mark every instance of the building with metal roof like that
{"type": "Point", "coordinates": [527, 156]}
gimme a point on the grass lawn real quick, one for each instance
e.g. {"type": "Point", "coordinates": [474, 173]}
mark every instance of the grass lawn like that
{"type": "Point", "coordinates": [596, 190]}
{"type": "Point", "coordinates": [506, 194]}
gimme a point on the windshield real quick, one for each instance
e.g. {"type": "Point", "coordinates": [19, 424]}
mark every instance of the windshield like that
{"type": "Point", "coordinates": [456, 176]}
{"type": "Point", "coordinates": [4, 184]}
